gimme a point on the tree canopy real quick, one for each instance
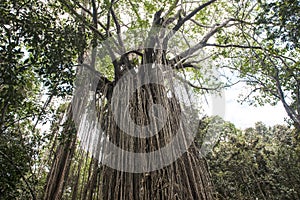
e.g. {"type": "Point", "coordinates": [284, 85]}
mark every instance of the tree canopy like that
{"type": "Point", "coordinates": [45, 44]}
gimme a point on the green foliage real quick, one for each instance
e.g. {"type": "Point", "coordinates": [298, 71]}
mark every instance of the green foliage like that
{"type": "Point", "coordinates": [267, 55]}
{"type": "Point", "coordinates": [281, 20]}
{"type": "Point", "coordinates": [257, 163]}
{"type": "Point", "coordinates": [39, 45]}
{"type": "Point", "coordinates": [37, 53]}
{"type": "Point", "coordinates": [15, 158]}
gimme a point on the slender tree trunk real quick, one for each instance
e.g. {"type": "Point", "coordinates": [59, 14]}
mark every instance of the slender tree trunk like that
{"type": "Point", "coordinates": [61, 163]}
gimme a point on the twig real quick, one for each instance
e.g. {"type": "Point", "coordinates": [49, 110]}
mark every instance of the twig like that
{"type": "Point", "coordinates": [232, 45]}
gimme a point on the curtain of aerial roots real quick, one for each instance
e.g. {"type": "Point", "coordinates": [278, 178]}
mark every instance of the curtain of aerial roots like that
{"type": "Point", "coordinates": [86, 178]}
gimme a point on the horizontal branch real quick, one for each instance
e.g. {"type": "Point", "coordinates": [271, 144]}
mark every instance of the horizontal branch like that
{"type": "Point", "coordinates": [233, 45]}
{"type": "Point", "coordinates": [185, 65]}
{"type": "Point", "coordinates": [201, 25]}
{"type": "Point", "coordinates": [135, 52]}
{"type": "Point", "coordinates": [196, 86]}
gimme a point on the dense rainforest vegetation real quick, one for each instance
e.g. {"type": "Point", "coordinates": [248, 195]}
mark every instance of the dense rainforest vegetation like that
{"type": "Point", "coordinates": [47, 148]}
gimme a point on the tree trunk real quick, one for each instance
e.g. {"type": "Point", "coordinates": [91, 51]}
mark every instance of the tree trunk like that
{"type": "Point", "coordinates": [186, 178]}
{"type": "Point", "coordinates": [61, 163]}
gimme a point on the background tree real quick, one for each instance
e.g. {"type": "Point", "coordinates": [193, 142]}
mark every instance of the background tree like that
{"type": "Point", "coordinates": [31, 66]}
{"type": "Point", "coordinates": [270, 68]}
{"type": "Point", "coordinates": [259, 162]}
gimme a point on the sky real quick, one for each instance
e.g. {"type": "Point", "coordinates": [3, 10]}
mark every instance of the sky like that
{"type": "Point", "coordinates": [244, 116]}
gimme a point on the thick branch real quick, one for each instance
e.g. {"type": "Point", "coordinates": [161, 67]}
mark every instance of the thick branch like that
{"type": "Point", "coordinates": [201, 44]}
{"type": "Point", "coordinates": [185, 65]}
{"type": "Point", "coordinates": [192, 14]}
{"type": "Point", "coordinates": [120, 41]}
{"type": "Point", "coordinates": [95, 39]}
{"type": "Point", "coordinates": [182, 21]}
{"type": "Point", "coordinates": [291, 113]}
{"type": "Point", "coordinates": [118, 27]}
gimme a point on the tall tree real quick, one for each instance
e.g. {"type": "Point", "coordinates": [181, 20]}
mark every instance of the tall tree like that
{"type": "Point", "coordinates": [91, 37]}
{"type": "Point", "coordinates": [105, 24]}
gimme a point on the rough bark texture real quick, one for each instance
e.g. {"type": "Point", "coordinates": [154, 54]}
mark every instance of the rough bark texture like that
{"type": "Point", "coordinates": [186, 178]}
{"type": "Point", "coordinates": [61, 163]}
{"type": "Point", "coordinates": [78, 175]}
